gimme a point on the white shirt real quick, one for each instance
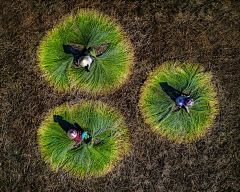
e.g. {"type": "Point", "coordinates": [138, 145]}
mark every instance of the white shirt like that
{"type": "Point", "coordinates": [89, 60]}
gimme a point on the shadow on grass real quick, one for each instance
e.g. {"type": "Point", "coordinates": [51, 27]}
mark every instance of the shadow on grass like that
{"type": "Point", "coordinates": [79, 50]}
{"type": "Point", "coordinates": [68, 49]}
{"type": "Point", "coordinates": [172, 92]}
{"type": "Point", "coordinates": [65, 125]}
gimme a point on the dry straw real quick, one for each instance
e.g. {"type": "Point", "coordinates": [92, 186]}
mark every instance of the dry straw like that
{"type": "Point", "coordinates": [157, 101]}
{"type": "Point", "coordinates": [87, 28]}
{"type": "Point", "coordinates": [110, 139]}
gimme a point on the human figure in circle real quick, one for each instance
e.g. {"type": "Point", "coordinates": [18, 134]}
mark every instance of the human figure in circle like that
{"type": "Point", "coordinates": [184, 101]}
{"type": "Point", "coordinates": [84, 61]}
{"type": "Point", "coordinates": [77, 135]}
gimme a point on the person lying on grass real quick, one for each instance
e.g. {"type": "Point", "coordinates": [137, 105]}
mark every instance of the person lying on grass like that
{"type": "Point", "coordinates": [84, 61]}
{"type": "Point", "coordinates": [77, 135]}
{"type": "Point", "coordinates": [184, 101]}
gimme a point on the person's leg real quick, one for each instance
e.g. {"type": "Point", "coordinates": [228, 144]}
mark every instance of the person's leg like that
{"type": "Point", "coordinates": [87, 69]}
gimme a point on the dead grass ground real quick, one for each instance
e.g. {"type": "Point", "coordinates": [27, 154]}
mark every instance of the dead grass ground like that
{"type": "Point", "coordinates": [202, 31]}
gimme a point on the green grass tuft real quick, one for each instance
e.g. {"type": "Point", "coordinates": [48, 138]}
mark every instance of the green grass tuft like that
{"type": "Point", "coordinates": [110, 139]}
{"type": "Point", "coordinates": [159, 109]}
{"type": "Point", "coordinates": [87, 28]}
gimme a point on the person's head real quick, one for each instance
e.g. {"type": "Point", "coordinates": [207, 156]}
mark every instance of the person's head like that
{"type": "Point", "coordinates": [72, 133]}
{"type": "Point", "coordinates": [83, 61]}
{"type": "Point", "coordinates": [188, 102]}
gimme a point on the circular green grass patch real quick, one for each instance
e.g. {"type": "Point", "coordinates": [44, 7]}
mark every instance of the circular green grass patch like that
{"type": "Point", "coordinates": [91, 31]}
{"type": "Point", "coordinates": [110, 139]}
{"type": "Point", "coordinates": [158, 95]}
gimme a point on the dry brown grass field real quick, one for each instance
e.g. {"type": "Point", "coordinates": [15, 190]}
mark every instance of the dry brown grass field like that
{"type": "Point", "coordinates": [205, 32]}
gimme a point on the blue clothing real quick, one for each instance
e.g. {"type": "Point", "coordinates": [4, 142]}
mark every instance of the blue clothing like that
{"type": "Point", "coordinates": [84, 134]}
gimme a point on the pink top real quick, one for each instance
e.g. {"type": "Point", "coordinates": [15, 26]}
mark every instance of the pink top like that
{"type": "Point", "coordinates": [75, 135]}
{"type": "Point", "coordinates": [78, 138]}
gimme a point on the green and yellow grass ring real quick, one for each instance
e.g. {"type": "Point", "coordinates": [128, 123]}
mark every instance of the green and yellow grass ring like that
{"type": "Point", "coordinates": [87, 28]}
{"type": "Point", "coordinates": [110, 139]}
{"type": "Point", "coordinates": [160, 111]}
